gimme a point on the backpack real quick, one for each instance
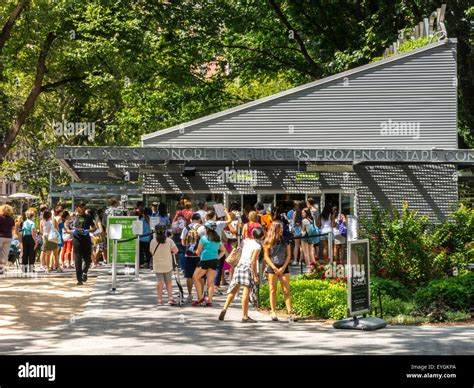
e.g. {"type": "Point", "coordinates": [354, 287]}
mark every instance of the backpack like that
{"type": "Point", "coordinates": [266, 221]}
{"type": "Point", "coordinates": [192, 238]}
{"type": "Point", "coordinates": [312, 231]}
{"type": "Point", "coordinates": [179, 224]}
{"type": "Point", "coordinates": [341, 227]}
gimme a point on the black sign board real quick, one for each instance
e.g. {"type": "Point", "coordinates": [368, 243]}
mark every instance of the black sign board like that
{"type": "Point", "coordinates": [358, 282]}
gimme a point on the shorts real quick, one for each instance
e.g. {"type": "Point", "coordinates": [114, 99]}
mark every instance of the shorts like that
{"type": "Point", "coordinates": [209, 264]}
{"type": "Point", "coordinates": [48, 246]}
{"type": "Point", "coordinates": [339, 239]}
{"type": "Point", "coordinates": [190, 266]}
{"type": "Point", "coordinates": [163, 276]}
{"type": "Point", "coordinates": [297, 231]}
{"type": "Point", "coordinates": [99, 247]}
{"type": "Point", "coordinates": [270, 269]}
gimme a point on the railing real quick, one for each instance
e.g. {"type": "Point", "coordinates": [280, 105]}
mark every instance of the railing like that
{"type": "Point", "coordinates": [431, 26]}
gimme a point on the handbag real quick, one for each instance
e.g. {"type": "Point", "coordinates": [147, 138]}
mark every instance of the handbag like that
{"type": "Point", "coordinates": [53, 236]}
{"type": "Point", "coordinates": [234, 257]}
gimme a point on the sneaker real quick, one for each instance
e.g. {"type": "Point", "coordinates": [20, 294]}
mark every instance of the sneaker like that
{"type": "Point", "coordinates": [222, 315]}
{"type": "Point", "coordinates": [84, 277]}
{"type": "Point", "coordinates": [59, 269]}
{"type": "Point", "coordinates": [159, 303]}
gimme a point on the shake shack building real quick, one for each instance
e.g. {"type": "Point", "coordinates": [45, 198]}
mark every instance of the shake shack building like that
{"type": "Point", "coordinates": [383, 133]}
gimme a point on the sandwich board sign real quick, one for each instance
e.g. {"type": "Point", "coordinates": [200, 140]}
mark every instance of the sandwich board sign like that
{"type": "Point", "coordinates": [358, 280]}
{"type": "Point", "coordinates": [127, 252]}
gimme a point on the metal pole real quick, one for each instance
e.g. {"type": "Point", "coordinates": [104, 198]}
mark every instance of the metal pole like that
{"type": "Point", "coordinates": [114, 266]}
{"type": "Point", "coordinates": [137, 262]}
{"type": "Point", "coordinates": [330, 242]}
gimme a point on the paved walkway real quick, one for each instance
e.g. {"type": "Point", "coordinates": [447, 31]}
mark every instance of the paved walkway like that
{"type": "Point", "coordinates": [131, 323]}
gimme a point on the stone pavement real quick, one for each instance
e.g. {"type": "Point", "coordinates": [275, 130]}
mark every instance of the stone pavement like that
{"type": "Point", "coordinates": [131, 323]}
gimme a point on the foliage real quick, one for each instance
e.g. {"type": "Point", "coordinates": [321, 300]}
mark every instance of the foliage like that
{"type": "Point", "coordinates": [398, 242]}
{"type": "Point", "coordinates": [454, 294]}
{"type": "Point", "coordinates": [390, 288]}
{"type": "Point", "coordinates": [133, 67]}
{"type": "Point", "coordinates": [406, 248]}
{"type": "Point", "coordinates": [409, 45]}
{"type": "Point", "coordinates": [317, 298]}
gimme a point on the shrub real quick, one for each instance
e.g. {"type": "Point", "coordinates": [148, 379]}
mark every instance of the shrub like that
{"type": "Point", "coordinates": [398, 245]}
{"type": "Point", "coordinates": [405, 247]}
{"type": "Point", "coordinates": [390, 288]}
{"type": "Point", "coordinates": [452, 294]}
{"type": "Point", "coordinates": [452, 242]}
{"type": "Point", "coordinates": [311, 297]}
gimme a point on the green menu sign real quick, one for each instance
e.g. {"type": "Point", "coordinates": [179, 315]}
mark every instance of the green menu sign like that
{"type": "Point", "coordinates": [358, 283]}
{"type": "Point", "coordinates": [126, 251]}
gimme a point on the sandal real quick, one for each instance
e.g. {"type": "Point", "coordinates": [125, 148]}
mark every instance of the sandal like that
{"type": "Point", "coordinates": [159, 303]}
{"type": "Point", "coordinates": [248, 320]}
{"type": "Point", "coordinates": [198, 302]}
{"type": "Point", "coordinates": [171, 303]}
{"type": "Point", "coordinates": [274, 318]}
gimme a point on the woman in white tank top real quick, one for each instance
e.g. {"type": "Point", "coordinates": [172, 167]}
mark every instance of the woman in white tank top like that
{"type": "Point", "coordinates": [325, 223]}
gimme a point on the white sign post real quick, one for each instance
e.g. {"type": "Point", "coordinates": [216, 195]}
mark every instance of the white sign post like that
{"type": "Point", "coordinates": [115, 234]}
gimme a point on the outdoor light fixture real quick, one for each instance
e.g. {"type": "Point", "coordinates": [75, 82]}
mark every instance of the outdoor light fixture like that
{"type": "Point", "coordinates": [189, 171]}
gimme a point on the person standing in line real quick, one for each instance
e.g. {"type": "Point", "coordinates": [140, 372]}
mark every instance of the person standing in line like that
{"type": "Point", "coordinates": [190, 240]}
{"type": "Point", "coordinates": [250, 225]}
{"type": "Point", "coordinates": [202, 211]}
{"type": "Point", "coordinates": [277, 256]}
{"type": "Point", "coordinates": [263, 216]}
{"type": "Point", "coordinates": [245, 275]}
{"type": "Point", "coordinates": [66, 252]}
{"type": "Point", "coordinates": [210, 250]}
{"type": "Point", "coordinates": [297, 230]}
{"type": "Point", "coordinates": [7, 226]}
{"type": "Point", "coordinates": [29, 242]}
{"type": "Point", "coordinates": [58, 222]}
{"type": "Point", "coordinates": [145, 239]}
{"type": "Point", "coordinates": [163, 216]}
{"type": "Point", "coordinates": [81, 226]}
{"type": "Point", "coordinates": [314, 209]}
{"type": "Point", "coordinates": [308, 228]}
{"type": "Point", "coordinates": [49, 248]}
{"type": "Point", "coordinates": [326, 222]}
{"type": "Point", "coordinates": [162, 249]}
{"type": "Point", "coordinates": [340, 233]}
{"type": "Point", "coordinates": [181, 219]}
{"type": "Point", "coordinates": [154, 209]}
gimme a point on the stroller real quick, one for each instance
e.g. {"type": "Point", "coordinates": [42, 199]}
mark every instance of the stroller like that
{"type": "Point", "coordinates": [14, 253]}
{"type": "Point", "coordinates": [178, 282]}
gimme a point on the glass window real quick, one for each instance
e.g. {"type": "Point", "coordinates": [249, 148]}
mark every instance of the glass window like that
{"type": "Point", "coordinates": [347, 204]}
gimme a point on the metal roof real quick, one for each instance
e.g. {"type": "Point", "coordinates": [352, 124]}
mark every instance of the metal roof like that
{"type": "Point", "coordinates": [417, 86]}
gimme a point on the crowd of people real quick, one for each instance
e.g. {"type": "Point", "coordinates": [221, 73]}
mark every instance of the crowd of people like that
{"type": "Point", "coordinates": [267, 242]}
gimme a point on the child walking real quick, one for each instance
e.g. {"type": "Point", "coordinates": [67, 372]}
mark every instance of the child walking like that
{"type": "Point", "coordinates": [162, 249]}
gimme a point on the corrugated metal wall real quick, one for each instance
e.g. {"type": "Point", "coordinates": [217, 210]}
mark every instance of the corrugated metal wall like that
{"type": "Point", "coordinates": [429, 188]}
{"type": "Point", "coordinates": [349, 112]}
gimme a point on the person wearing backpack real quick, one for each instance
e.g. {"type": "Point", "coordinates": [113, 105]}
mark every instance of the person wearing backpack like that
{"type": "Point", "coordinates": [181, 219]}
{"type": "Point", "coordinates": [190, 240]}
{"type": "Point", "coordinates": [162, 249]}
{"type": "Point", "coordinates": [308, 229]}
{"type": "Point", "coordinates": [263, 217]}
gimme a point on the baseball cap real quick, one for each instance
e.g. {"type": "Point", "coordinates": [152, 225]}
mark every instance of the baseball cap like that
{"type": "Point", "coordinates": [154, 204]}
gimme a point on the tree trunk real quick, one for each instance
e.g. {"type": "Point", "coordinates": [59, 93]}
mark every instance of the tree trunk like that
{"type": "Point", "coordinates": [31, 99]}
{"type": "Point", "coordinates": [7, 28]}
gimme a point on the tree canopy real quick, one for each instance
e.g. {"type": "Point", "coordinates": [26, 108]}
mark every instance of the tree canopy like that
{"type": "Point", "coordinates": [135, 66]}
